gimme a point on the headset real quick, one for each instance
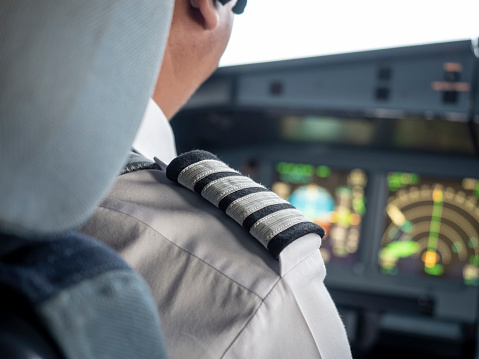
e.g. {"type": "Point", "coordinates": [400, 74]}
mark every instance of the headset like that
{"type": "Point", "coordinates": [238, 8]}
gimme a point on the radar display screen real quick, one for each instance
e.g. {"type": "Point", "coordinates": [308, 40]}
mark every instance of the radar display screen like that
{"type": "Point", "coordinates": [332, 198]}
{"type": "Point", "coordinates": [432, 228]}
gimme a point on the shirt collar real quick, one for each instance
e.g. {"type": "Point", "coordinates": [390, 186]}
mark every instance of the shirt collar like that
{"type": "Point", "coordinates": [155, 137]}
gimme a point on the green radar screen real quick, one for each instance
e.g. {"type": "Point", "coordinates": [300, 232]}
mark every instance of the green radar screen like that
{"type": "Point", "coordinates": [332, 198]}
{"type": "Point", "coordinates": [432, 228]}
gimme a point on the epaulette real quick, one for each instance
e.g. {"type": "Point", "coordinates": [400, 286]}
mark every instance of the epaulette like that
{"type": "Point", "coordinates": [137, 162]}
{"type": "Point", "coordinates": [271, 220]}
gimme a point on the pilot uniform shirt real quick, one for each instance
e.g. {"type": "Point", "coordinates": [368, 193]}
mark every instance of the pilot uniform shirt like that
{"type": "Point", "coordinates": [220, 293]}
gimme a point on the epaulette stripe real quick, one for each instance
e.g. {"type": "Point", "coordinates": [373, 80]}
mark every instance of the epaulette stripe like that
{"type": "Point", "coordinates": [225, 202]}
{"type": "Point", "coordinates": [201, 184]}
{"type": "Point", "coordinates": [268, 227]}
{"type": "Point", "coordinates": [274, 222]}
{"type": "Point", "coordinates": [190, 175]}
{"type": "Point", "coordinates": [281, 240]}
{"type": "Point", "coordinates": [243, 207]}
{"type": "Point", "coordinates": [263, 212]}
{"type": "Point", "coordinates": [216, 190]}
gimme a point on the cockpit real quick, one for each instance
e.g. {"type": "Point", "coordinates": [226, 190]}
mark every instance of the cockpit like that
{"type": "Point", "coordinates": [379, 147]}
{"type": "Point", "coordinates": [357, 123]}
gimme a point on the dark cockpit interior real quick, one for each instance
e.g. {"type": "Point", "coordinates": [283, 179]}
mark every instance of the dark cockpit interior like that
{"type": "Point", "coordinates": [381, 149]}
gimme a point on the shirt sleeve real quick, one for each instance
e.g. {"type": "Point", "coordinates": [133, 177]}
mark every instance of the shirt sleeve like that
{"type": "Point", "coordinates": [298, 318]}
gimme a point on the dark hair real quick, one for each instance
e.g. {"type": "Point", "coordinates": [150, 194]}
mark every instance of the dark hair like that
{"type": "Point", "coordinates": [238, 8]}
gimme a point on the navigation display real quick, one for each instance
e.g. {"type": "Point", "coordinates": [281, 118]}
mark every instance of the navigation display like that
{"type": "Point", "coordinates": [432, 228]}
{"type": "Point", "coordinates": [332, 198]}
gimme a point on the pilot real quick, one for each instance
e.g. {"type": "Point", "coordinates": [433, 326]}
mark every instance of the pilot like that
{"type": "Point", "coordinates": [236, 271]}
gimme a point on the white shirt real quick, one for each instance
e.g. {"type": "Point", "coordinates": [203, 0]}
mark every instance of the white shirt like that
{"type": "Point", "coordinates": [219, 293]}
{"type": "Point", "coordinates": [155, 137]}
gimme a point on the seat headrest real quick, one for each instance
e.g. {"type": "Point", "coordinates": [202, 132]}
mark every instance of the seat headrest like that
{"type": "Point", "coordinates": [75, 78]}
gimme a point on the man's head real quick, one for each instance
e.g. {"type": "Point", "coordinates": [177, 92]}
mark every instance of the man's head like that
{"type": "Point", "coordinates": [199, 33]}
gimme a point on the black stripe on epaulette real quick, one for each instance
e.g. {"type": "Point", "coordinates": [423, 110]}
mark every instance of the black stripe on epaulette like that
{"type": "Point", "coordinates": [184, 160]}
{"type": "Point", "coordinates": [263, 212]}
{"type": "Point", "coordinates": [210, 178]}
{"type": "Point", "coordinates": [286, 237]}
{"type": "Point", "coordinates": [225, 202]}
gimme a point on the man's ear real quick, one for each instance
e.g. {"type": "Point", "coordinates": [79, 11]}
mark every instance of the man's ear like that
{"type": "Point", "coordinates": [208, 11]}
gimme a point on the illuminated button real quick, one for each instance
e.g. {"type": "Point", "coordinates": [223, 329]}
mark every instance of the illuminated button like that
{"type": "Point", "coordinates": [437, 195]}
{"type": "Point", "coordinates": [452, 67]}
{"type": "Point", "coordinates": [430, 258]}
{"type": "Point", "coordinates": [471, 274]}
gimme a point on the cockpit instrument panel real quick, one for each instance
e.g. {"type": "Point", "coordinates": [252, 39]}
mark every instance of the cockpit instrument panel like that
{"type": "Point", "coordinates": [332, 198]}
{"type": "Point", "coordinates": [431, 228]}
{"type": "Point", "coordinates": [381, 149]}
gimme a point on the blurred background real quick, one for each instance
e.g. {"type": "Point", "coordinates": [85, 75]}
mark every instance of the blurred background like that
{"type": "Point", "coordinates": [271, 30]}
{"type": "Point", "coordinates": [365, 116]}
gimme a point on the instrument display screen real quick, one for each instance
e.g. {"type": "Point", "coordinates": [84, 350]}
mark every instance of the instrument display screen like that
{"type": "Point", "coordinates": [432, 228]}
{"type": "Point", "coordinates": [332, 198]}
